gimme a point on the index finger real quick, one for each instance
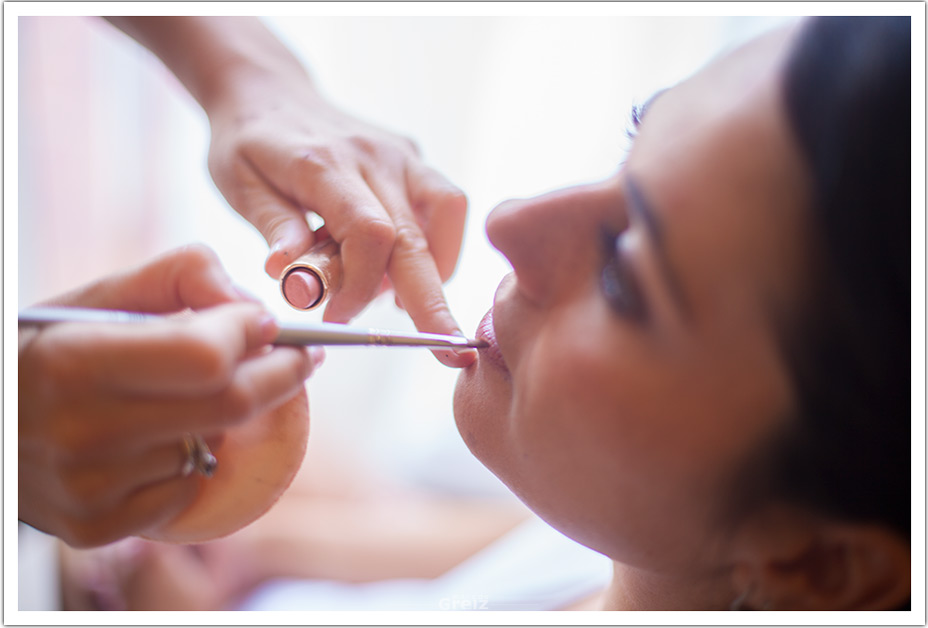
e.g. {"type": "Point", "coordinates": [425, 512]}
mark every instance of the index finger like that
{"type": "Point", "coordinates": [417, 282]}
{"type": "Point", "coordinates": [187, 357]}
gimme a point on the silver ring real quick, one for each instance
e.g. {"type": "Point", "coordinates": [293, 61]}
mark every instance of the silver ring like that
{"type": "Point", "coordinates": [197, 456]}
{"type": "Point", "coordinates": [206, 461]}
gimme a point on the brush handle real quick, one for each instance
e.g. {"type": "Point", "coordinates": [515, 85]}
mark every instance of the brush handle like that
{"type": "Point", "coordinates": [298, 334]}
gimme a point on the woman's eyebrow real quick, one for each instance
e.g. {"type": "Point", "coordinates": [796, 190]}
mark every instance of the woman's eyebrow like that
{"type": "Point", "coordinates": [643, 210]}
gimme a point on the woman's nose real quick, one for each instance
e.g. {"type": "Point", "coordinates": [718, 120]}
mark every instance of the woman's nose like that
{"type": "Point", "coordinates": [551, 240]}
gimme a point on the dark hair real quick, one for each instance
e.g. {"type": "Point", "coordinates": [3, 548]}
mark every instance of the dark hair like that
{"type": "Point", "coordinates": [846, 453]}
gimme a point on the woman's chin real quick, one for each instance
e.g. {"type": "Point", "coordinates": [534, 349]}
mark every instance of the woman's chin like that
{"type": "Point", "coordinates": [465, 400]}
{"type": "Point", "coordinates": [481, 405]}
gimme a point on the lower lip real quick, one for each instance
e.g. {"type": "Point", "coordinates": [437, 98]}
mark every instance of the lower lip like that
{"type": "Point", "coordinates": [486, 331]}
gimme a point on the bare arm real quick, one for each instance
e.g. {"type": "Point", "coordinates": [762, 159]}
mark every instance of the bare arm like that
{"type": "Point", "coordinates": [216, 58]}
{"type": "Point", "coordinates": [279, 150]}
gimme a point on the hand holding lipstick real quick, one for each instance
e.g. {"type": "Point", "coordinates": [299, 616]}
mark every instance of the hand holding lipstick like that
{"type": "Point", "coordinates": [279, 151]}
{"type": "Point", "coordinates": [389, 220]}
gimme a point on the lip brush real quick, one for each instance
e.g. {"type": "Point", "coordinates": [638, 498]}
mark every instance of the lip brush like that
{"type": "Point", "coordinates": [301, 334]}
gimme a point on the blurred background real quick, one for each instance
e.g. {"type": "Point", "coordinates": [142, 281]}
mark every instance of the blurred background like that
{"type": "Point", "coordinates": [112, 170]}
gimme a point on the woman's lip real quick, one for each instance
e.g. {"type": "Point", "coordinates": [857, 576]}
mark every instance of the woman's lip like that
{"type": "Point", "coordinates": [486, 331]}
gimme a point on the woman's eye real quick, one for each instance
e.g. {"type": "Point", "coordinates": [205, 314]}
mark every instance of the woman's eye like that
{"type": "Point", "coordinates": [637, 113]}
{"type": "Point", "coordinates": [618, 283]}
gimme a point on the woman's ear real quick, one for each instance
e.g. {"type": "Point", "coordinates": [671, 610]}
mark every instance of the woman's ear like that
{"type": "Point", "coordinates": [787, 560]}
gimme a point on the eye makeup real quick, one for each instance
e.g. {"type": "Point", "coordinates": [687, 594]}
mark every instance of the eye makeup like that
{"type": "Point", "coordinates": [642, 212]}
{"type": "Point", "coordinates": [634, 122]}
{"type": "Point", "coordinates": [618, 282]}
{"type": "Point", "coordinates": [637, 113]}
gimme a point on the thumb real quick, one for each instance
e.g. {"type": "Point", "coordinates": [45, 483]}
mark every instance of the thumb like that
{"type": "Point", "coordinates": [189, 277]}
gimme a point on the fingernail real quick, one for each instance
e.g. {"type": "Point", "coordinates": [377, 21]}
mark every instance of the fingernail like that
{"type": "Point", "coordinates": [463, 350]}
{"type": "Point", "coordinates": [271, 263]}
{"type": "Point", "coordinates": [316, 358]}
{"type": "Point", "coordinates": [268, 326]}
{"type": "Point", "coordinates": [466, 352]}
{"type": "Point", "coordinates": [133, 549]}
{"type": "Point", "coordinates": [284, 246]}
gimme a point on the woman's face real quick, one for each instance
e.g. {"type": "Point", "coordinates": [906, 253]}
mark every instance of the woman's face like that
{"type": "Point", "coordinates": [625, 383]}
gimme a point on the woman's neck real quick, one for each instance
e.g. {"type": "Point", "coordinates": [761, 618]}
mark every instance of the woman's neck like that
{"type": "Point", "coordinates": [635, 589]}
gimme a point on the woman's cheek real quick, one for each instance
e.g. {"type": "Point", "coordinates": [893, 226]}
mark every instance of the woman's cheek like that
{"type": "Point", "coordinates": [587, 414]}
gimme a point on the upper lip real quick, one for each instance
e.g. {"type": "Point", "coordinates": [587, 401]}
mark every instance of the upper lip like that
{"type": "Point", "coordinates": [500, 315]}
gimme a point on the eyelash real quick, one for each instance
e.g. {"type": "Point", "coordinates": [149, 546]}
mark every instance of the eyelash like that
{"type": "Point", "coordinates": [634, 122]}
{"type": "Point", "coordinates": [617, 283]}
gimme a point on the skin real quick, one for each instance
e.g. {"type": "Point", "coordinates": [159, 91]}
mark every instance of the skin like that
{"type": "Point", "coordinates": [103, 408]}
{"type": "Point", "coordinates": [279, 150]}
{"type": "Point", "coordinates": [622, 432]}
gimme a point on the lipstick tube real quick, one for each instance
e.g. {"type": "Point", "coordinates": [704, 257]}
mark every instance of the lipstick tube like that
{"type": "Point", "coordinates": [307, 281]}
